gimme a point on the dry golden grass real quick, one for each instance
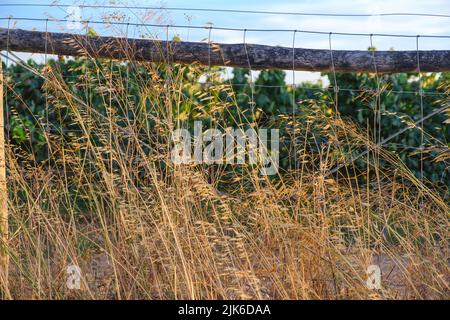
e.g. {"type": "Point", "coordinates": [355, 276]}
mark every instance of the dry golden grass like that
{"type": "Point", "coordinates": [169, 232]}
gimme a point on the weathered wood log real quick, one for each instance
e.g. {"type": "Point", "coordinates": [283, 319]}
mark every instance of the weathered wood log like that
{"type": "Point", "coordinates": [233, 55]}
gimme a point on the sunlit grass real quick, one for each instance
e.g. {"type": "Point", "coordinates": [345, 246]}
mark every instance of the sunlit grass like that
{"type": "Point", "coordinates": [110, 201]}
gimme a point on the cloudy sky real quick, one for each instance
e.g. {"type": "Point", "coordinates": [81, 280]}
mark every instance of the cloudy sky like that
{"type": "Point", "coordinates": [409, 25]}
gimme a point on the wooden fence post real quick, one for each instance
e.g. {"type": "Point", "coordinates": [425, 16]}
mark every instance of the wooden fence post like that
{"type": "Point", "coordinates": [4, 260]}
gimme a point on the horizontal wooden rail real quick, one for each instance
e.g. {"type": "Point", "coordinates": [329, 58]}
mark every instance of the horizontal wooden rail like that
{"type": "Point", "coordinates": [233, 55]}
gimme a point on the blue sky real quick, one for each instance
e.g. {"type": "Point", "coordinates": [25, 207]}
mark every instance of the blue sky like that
{"type": "Point", "coordinates": [395, 25]}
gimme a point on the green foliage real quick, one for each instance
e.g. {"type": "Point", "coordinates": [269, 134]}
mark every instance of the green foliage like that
{"type": "Point", "coordinates": [275, 104]}
{"type": "Point", "coordinates": [399, 106]}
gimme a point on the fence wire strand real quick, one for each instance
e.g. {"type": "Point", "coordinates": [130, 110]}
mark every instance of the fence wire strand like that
{"type": "Point", "coordinates": [268, 12]}
{"type": "Point", "coordinates": [181, 26]}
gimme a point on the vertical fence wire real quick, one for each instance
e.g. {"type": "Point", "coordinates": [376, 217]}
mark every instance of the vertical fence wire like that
{"type": "Point", "coordinates": [252, 88]}
{"type": "Point", "coordinates": [376, 110]}
{"type": "Point", "coordinates": [294, 104]}
{"type": "Point", "coordinates": [335, 84]}
{"type": "Point", "coordinates": [47, 126]}
{"type": "Point", "coordinates": [421, 110]}
{"type": "Point", "coordinates": [335, 90]}
{"type": "Point", "coordinates": [5, 72]}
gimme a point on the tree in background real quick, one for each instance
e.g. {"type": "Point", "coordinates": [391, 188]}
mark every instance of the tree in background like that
{"type": "Point", "coordinates": [273, 101]}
